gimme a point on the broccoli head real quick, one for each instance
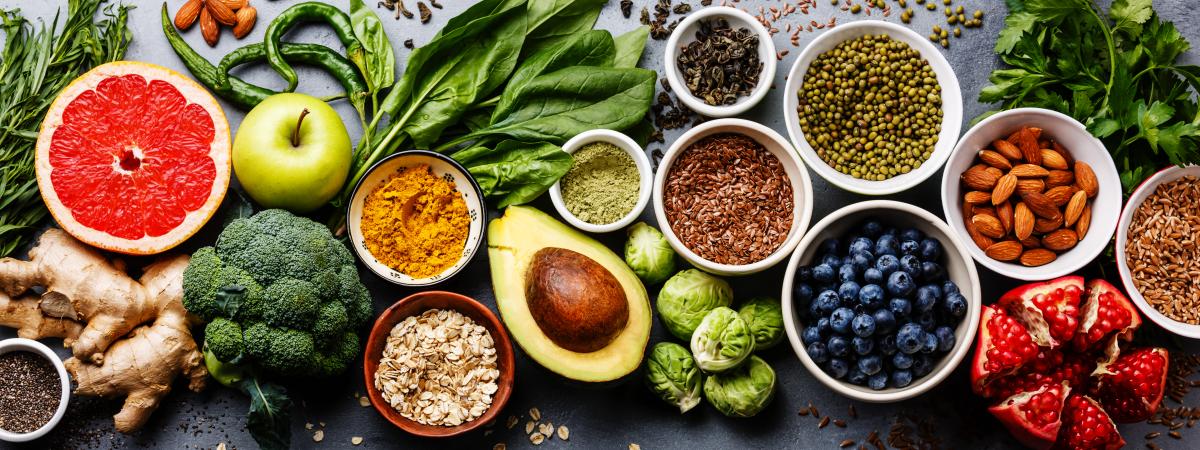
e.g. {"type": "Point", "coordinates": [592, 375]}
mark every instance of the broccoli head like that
{"type": "Point", "coordinates": [303, 301]}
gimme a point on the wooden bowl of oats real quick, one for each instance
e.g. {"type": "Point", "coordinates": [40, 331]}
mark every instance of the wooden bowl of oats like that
{"type": "Point", "coordinates": [438, 364]}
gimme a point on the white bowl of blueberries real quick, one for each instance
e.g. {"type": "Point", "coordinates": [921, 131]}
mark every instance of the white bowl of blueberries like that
{"type": "Point", "coordinates": [881, 301]}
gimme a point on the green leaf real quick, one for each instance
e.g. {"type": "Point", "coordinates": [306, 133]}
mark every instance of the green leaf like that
{"type": "Point", "coordinates": [1056, 9]}
{"type": "Point", "coordinates": [515, 172]}
{"type": "Point", "coordinates": [1102, 128]}
{"type": "Point", "coordinates": [269, 420]}
{"type": "Point", "coordinates": [1163, 43]}
{"type": "Point", "coordinates": [380, 60]}
{"type": "Point", "coordinates": [1178, 141]}
{"type": "Point", "coordinates": [553, 20]}
{"type": "Point", "coordinates": [630, 47]}
{"type": "Point", "coordinates": [1127, 15]}
{"type": "Point", "coordinates": [229, 299]}
{"type": "Point", "coordinates": [1157, 114]}
{"type": "Point", "coordinates": [593, 48]}
{"type": "Point", "coordinates": [1015, 26]}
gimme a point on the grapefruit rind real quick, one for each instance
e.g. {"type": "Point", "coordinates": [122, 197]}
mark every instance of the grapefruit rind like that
{"type": "Point", "coordinates": [219, 152]}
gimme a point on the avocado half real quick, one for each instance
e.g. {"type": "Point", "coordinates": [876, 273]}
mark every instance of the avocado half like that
{"type": "Point", "coordinates": [568, 301]}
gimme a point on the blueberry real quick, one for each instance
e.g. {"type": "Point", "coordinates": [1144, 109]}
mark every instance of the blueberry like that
{"type": "Point", "coordinates": [909, 339]}
{"type": "Point", "coordinates": [804, 273]}
{"type": "Point", "coordinates": [862, 346]}
{"type": "Point", "coordinates": [886, 344]}
{"type": "Point", "coordinates": [945, 337]}
{"type": "Point", "coordinates": [900, 283]}
{"type": "Point", "coordinates": [862, 260]}
{"type": "Point", "coordinates": [930, 250]}
{"type": "Point", "coordinates": [812, 334]}
{"type": "Point", "coordinates": [931, 271]}
{"type": "Point", "coordinates": [885, 321]}
{"type": "Point", "coordinates": [861, 244]}
{"type": "Point", "coordinates": [931, 343]}
{"type": "Point", "coordinates": [826, 302]}
{"type": "Point", "coordinates": [934, 290]}
{"type": "Point", "coordinates": [909, 247]}
{"type": "Point", "coordinates": [823, 326]}
{"type": "Point", "coordinates": [902, 361]}
{"type": "Point", "coordinates": [831, 260]}
{"type": "Point", "coordinates": [900, 307]}
{"type": "Point", "coordinates": [872, 228]}
{"type": "Point", "coordinates": [901, 378]}
{"type": "Point", "coordinates": [837, 346]}
{"type": "Point", "coordinates": [873, 276]}
{"type": "Point", "coordinates": [887, 264]}
{"type": "Point", "coordinates": [870, 365]}
{"type": "Point", "coordinates": [922, 366]}
{"type": "Point", "coordinates": [927, 320]}
{"type": "Point", "coordinates": [837, 368]}
{"type": "Point", "coordinates": [840, 320]}
{"type": "Point", "coordinates": [870, 296]}
{"type": "Point", "coordinates": [814, 311]}
{"type": "Point", "coordinates": [886, 245]}
{"type": "Point", "coordinates": [911, 264]}
{"type": "Point", "coordinates": [847, 273]}
{"type": "Point", "coordinates": [848, 291]}
{"type": "Point", "coordinates": [878, 381]}
{"type": "Point", "coordinates": [956, 305]}
{"type": "Point", "coordinates": [925, 299]}
{"type": "Point", "coordinates": [803, 293]}
{"type": "Point", "coordinates": [823, 273]}
{"type": "Point", "coordinates": [911, 234]}
{"type": "Point", "coordinates": [817, 352]}
{"type": "Point", "coordinates": [949, 287]}
{"type": "Point", "coordinates": [891, 231]}
{"type": "Point", "coordinates": [857, 377]}
{"type": "Point", "coordinates": [829, 246]}
{"type": "Point", "coordinates": [863, 325]}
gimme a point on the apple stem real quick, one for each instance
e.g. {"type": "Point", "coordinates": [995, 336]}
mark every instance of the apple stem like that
{"type": "Point", "coordinates": [296, 134]}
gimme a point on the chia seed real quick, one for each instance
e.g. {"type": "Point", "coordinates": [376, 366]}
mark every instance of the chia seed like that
{"type": "Point", "coordinates": [29, 391]}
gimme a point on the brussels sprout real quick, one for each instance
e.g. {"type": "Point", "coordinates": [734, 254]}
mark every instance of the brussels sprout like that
{"type": "Point", "coordinates": [687, 297]}
{"type": "Point", "coordinates": [743, 392]}
{"type": "Point", "coordinates": [765, 318]}
{"type": "Point", "coordinates": [672, 374]}
{"type": "Point", "coordinates": [722, 341]}
{"type": "Point", "coordinates": [649, 254]}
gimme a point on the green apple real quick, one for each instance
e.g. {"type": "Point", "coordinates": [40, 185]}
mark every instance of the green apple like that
{"type": "Point", "coordinates": [292, 152]}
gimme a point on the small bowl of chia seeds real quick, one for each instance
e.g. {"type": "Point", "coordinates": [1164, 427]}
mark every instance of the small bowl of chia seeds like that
{"type": "Point", "coordinates": [34, 389]}
{"type": "Point", "coordinates": [720, 61]}
{"type": "Point", "coordinates": [608, 184]}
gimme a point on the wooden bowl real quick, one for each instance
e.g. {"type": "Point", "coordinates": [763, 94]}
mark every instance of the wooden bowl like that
{"type": "Point", "coordinates": [415, 305]}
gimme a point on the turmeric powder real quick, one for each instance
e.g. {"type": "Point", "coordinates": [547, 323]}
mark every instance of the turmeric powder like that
{"type": "Point", "coordinates": [416, 222]}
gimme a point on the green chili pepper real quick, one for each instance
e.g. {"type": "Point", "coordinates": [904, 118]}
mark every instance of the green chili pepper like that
{"type": "Point", "coordinates": [302, 13]}
{"type": "Point", "coordinates": [240, 93]}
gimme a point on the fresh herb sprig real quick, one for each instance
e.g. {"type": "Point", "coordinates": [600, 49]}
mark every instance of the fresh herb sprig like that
{"type": "Point", "coordinates": [1116, 72]}
{"type": "Point", "coordinates": [35, 66]}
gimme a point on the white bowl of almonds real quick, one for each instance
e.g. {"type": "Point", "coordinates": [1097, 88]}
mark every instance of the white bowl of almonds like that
{"type": "Point", "coordinates": [1036, 193]}
{"type": "Point", "coordinates": [1156, 261]}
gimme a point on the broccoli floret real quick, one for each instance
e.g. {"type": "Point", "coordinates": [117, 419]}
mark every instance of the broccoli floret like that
{"type": "Point", "coordinates": [292, 304]}
{"type": "Point", "coordinates": [354, 296]}
{"type": "Point", "coordinates": [257, 340]}
{"type": "Point", "coordinates": [292, 352]}
{"type": "Point", "coordinates": [339, 355]}
{"type": "Point", "coordinates": [201, 280]}
{"type": "Point", "coordinates": [223, 337]}
{"type": "Point", "coordinates": [331, 322]}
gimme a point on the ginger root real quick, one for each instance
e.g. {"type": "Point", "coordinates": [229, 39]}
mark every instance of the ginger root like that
{"type": "Point", "coordinates": [128, 337]}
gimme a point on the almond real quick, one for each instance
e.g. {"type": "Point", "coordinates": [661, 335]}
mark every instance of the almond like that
{"type": "Point", "coordinates": [1023, 221]}
{"type": "Point", "coordinates": [246, 17]}
{"type": "Point", "coordinates": [984, 210]}
{"type": "Point", "coordinates": [1030, 185]}
{"type": "Point", "coordinates": [1027, 140]}
{"type": "Point", "coordinates": [1060, 240]}
{"type": "Point", "coordinates": [221, 12]}
{"type": "Point", "coordinates": [1074, 208]}
{"type": "Point", "coordinates": [1004, 189]}
{"type": "Point", "coordinates": [1029, 171]}
{"type": "Point", "coordinates": [1060, 178]}
{"type": "Point", "coordinates": [994, 171]}
{"type": "Point", "coordinates": [1041, 205]}
{"type": "Point", "coordinates": [994, 159]}
{"type": "Point", "coordinates": [974, 197]}
{"type": "Point", "coordinates": [1043, 226]}
{"type": "Point", "coordinates": [235, 4]}
{"type": "Point", "coordinates": [188, 14]}
{"type": "Point", "coordinates": [1004, 251]}
{"type": "Point", "coordinates": [209, 28]}
{"type": "Point", "coordinates": [1085, 221]}
{"type": "Point", "coordinates": [1037, 257]}
{"type": "Point", "coordinates": [1052, 160]}
{"type": "Point", "coordinates": [1062, 151]}
{"type": "Point", "coordinates": [988, 226]}
{"type": "Point", "coordinates": [1004, 212]}
{"type": "Point", "coordinates": [1031, 242]}
{"type": "Point", "coordinates": [1061, 195]}
{"type": "Point", "coordinates": [1085, 178]}
{"type": "Point", "coordinates": [983, 242]}
{"type": "Point", "coordinates": [1007, 149]}
{"type": "Point", "coordinates": [979, 179]}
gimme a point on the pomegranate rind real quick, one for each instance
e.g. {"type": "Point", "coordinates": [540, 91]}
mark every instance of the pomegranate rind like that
{"type": "Point", "coordinates": [1120, 396]}
{"type": "Point", "coordinates": [1023, 428]}
{"type": "Point", "coordinates": [219, 151]}
{"type": "Point", "coordinates": [1023, 303]}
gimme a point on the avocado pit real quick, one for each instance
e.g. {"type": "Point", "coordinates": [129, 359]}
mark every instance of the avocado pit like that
{"type": "Point", "coordinates": [575, 301]}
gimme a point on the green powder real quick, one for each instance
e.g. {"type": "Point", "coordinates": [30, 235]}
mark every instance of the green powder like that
{"type": "Point", "coordinates": [602, 185]}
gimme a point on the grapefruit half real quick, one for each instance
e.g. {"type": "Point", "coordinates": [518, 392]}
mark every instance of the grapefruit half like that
{"type": "Point", "coordinates": [133, 158]}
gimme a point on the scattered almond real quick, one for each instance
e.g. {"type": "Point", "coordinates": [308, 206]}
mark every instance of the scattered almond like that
{"type": "Point", "coordinates": [1060, 195]}
{"type": "Point", "coordinates": [977, 197]}
{"type": "Point", "coordinates": [246, 17]}
{"type": "Point", "coordinates": [1007, 149]}
{"type": "Point", "coordinates": [1023, 221]}
{"type": "Point", "coordinates": [221, 12]}
{"type": "Point", "coordinates": [188, 14]}
{"type": "Point", "coordinates": [995, 159]}
{"type": "Point", "coordinates": [1060, 240]}
{"type": "Point", "coordinates": [1004, 188]}
{"type": "Point", "coordinates": [1086, 180]}
{"type": "Point", "coordinates": [235, 4]}
{"type": "Point", "coordinates": [1074, 208]}
{"type": "Point", "coordinates": [1030, 185]}
{"type": "Point", "coordinates": [1005, 250]}
{"type": "Point", "coordinates": [1037, 257]}
{"type": "Point", "coordinates": [1052, 160]}
{"type": "Point", "coordinates": [1029, 171]}
{"type": "Point", "coordinates": [209, 28]}
{"type": "Point", "coordinates": [1060, 178]}
{"type": "Point", "coordinates": [988, 226]}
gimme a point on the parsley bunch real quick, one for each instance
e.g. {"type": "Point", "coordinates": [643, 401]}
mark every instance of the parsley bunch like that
{"type": "Point", "coordinates": [1114, 72]}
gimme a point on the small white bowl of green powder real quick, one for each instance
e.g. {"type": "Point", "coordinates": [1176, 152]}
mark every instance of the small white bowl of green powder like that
{"type": "Point", "coordinates": [608, 185]}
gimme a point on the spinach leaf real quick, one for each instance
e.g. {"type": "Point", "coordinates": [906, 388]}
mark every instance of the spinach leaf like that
{"type": "Point", "coordinates": [515, 172]}
{"type": "Point", "coordinates": [553, 20]}
{"type": "Point", "coordinates": [557, 106]}
{"type": "Point", "coordinates": [269, 420]}
{"type": "Point", "coordinates": [630, 47]}
{"type": "Point", "coordinates": [593, 48]}
{"type": "Point", "coordinates": [379, 60]}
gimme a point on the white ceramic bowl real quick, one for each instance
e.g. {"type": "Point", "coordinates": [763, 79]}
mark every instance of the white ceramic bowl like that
{"type": "Point", "coordinates": [685, 33]}
{"type": "Point", "coordinates": [1139, 196]}
{"type": "Point", "coordinates": [442, 166]}
{"type": "Point", "coordinates": [957, 265]}
{"type": "Point", "coordinates": [35, 347]}
{"type": "Point", "coordinates": [1083, 147]}
{"type": "Point", "coordinates": [952, 108]}
{"type": "Point", "coordinates": [802, 192]}
{"type": "Point", "coordinates": [644, 186]}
